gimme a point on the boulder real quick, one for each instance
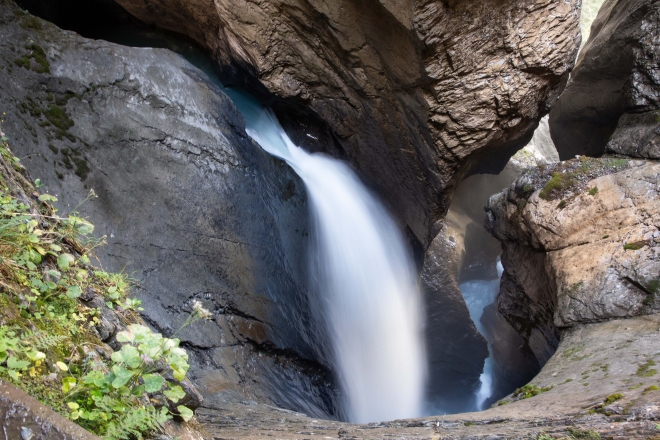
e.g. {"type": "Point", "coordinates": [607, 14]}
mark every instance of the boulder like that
{"type": "Point", "coordinates": [580, 245]}
{"type": "Point", "coordinates": [191, 208]}
{"type": "Point", "coordinates": [614, 91]}
{"type": "Point", "coordinates": [414, 94]}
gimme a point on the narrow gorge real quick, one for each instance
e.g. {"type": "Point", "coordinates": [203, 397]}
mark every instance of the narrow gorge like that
{"type": "Point", "coordinates": [354, 219]}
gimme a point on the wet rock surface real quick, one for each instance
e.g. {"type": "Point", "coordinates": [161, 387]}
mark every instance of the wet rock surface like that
{"type": "Point", "coordinates": [614, 92]}
{"type": "Point", "coordinates": [593, 364]}
{"type": "Point", "coordinates": [189, 206]}
{"type": "Point", "coordinates": [413, 94]}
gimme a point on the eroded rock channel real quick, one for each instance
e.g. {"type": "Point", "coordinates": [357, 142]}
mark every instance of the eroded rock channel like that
{"type": "Point", "coordinates": [418, 98]}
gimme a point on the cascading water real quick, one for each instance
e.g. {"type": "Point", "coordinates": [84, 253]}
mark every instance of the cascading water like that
{"type": "Point", "coordinates": [365, 279]}
{"type": "Point", "coordinates": [478, 294]}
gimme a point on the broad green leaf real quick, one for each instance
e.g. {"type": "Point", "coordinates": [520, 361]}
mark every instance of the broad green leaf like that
{"type": "Point", "coordinates": [55, 247]}
{"type": "Point", "coordinates": [73, 405]}
{"type": "Point", "coordinates": [37, 183]}
{"type": "Point", "coordinates": [142, 333]}
{"type": "Point", "coordinates": [125, 336]}
{"type": "Point", "coordinates": [174, 393]}
{"type": "Point", "coordinates": [68, 383]}
{"type": "Point", "coordinates": [73, 292]}
{"type": "Point", "coordinates": [35, 257]}
{"type": "Point", "coordinates": [64, 261]}
{"type": "Point", "coordinates": [122, 376]}
{"type": "Point", "coordinates": [14, 374]}
{"type": "Point", "coordinates": [153, 382]}
{"type": "Point", "coordinates": [84, 259]}
{"type": "Point", "coordinates": [138, 390]}
{"type": "Point", "coordinates": [15, 364]}
{"type": "Point", "coordinates": [185, 412]}
{"type": "Point", "coordinates": [128, 355]}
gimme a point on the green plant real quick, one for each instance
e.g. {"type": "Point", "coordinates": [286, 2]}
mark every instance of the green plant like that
{"type": "Point", "coordinates": [633, 246]}
{"type": "Point", "coordinates": [530, 390]}
{"type": "Point", "coordinates": [593, 191]}
{"type": "Point", "coordinates": [110, 399]}
{"type": "Point", "coordinates": [645, 369]}
{"type": "Point", "coordinates": [583, 434]}
{"type": "Point", "coordinates": [612, 398]}
{"type": "Point", "coordinates": [649, 389]}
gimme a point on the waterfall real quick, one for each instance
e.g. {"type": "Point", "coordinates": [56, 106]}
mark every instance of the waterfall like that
{"type": "Point", "coordinates": [479, 294]}
{"type": "Point", "coordinates": [364, 277]}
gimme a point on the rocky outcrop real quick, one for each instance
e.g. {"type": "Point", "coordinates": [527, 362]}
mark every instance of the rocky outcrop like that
{"type": "Point", "coordinates": [580, 244]}
{"type": "Point", "coordinates": [601, 383]}
{"type": "Point", "coordinates": [614, 91]}
{"type": "Point", "coordinates": [414, 94]}
{"type": "Point", "coordinates": [190, 207]}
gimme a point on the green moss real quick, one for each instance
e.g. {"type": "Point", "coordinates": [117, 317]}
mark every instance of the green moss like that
{"type": "Point", "coordinates": [653, 286]}
{"type": "Point", "coordinates": [649, 389]}
{"type": "Point", "coordinates": [593, 191]}
{"type": "Point", "coordinates": [53, 149]}
{"type": "Point", "coordinates": [557, 183]}
{"type": "Point", "coordinates": [23, 62]}
{"type": "Point", "coordinates": [583, 434]}
{"type": "Point", "coordinates": [645, 369]}
{"type": "Point", "coordinates": [38, 55]}
{"type": "Point", "coordinates": [30, 22]}
{"type": "Point", "coordinates": [562, 204]}
{"type": "Point", "coordinates": [82, 169]}
{"type": "Point", "coordinates": [613, 398]}
{"type": "Point", "coordinates": [58, 117]}
{"type": "Point", "coordinates": [633, 246]}
{"type": "Point", "coordinates": [530, 390]}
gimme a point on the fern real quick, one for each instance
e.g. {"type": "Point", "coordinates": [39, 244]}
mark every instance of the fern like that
{"type": "Point", "coordinates": [41, 340]}
{"type": "Point", "coordinates": [137, 422]}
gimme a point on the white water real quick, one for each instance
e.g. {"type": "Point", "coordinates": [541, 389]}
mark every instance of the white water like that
{"type": "Point", "coordinates": [365, 280]}
{"type": "Point", "coordinates": [479, 294]}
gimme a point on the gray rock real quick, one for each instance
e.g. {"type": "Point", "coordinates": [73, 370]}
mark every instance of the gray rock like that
{"type": "Point", "coordinates": [191, 208]}
{"type": "Point", "coordinates": [616, 79]}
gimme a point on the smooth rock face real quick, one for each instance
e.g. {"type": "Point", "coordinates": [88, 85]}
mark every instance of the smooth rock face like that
{"type": "Point", "coordinates": [614, 86]}
{"type": "Point", "coordinates": [413, 94]}
{"type": "Point", "coordinates": [192, 209]}
{"type": "Point", "coordinates": [589, 257]}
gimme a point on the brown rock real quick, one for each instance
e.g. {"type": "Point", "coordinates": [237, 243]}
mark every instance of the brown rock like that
{"type": "Point", "coordinates": [588, 256]}
{"type": "Point", "coordinates": [414, 94]}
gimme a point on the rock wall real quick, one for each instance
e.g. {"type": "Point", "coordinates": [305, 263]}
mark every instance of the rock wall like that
{"type": "Point", "coordinates": [580, 248]}
{"type": "Point", "coordinates": [414, 94]}
{"type": "Point", "coordinates": [611, 102]}
{"type": "Point", "coordinates": [190, 207]}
